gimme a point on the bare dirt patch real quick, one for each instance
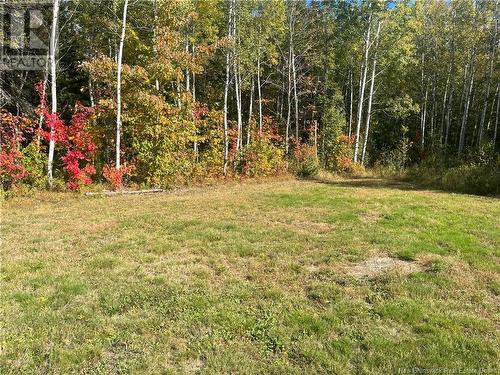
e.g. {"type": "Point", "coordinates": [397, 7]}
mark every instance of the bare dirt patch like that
{"type": "Point", "coordinates": [374, 266]}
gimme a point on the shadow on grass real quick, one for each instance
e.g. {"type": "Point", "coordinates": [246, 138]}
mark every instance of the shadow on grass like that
{"type": "Point", "coordinates": [387, 183]}
{"type": "Point", "coordinates": [369, 182]}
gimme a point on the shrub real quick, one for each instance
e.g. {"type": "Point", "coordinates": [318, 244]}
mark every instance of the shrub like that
{"type": "Point", "coordinates": [115, 176]}
{"type": "Point", "coordinates": [305, 161]}
{"type": "Point", "coordinates": [34, 162]}
{"type": "Point", "coordinates": [339, 157]}
{"type": "Point", "coordinates": [11, 169]}
{"type": "Point", "coordinates": [474, 179]}
{"type": "Point", "coordinates": [14, 131]}
{"type": "Point", "coordinates": [396, 160]}
{"type": "Point", "coordinates": [264, 155]}
{"type": "Point", "coordinates": [337, 148]}
{"type": "Point", "coordinates": [74, 138]}
{"type": "Point", "coordinates": [207, 143]}
{"type": "Point", "coordinates": [261, 158]}
{"type": "Point", "coordinates": [475, 173]}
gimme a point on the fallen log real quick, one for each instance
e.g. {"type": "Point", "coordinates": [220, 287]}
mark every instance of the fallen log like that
{"type": "Point", "coordinates": [125, 192]}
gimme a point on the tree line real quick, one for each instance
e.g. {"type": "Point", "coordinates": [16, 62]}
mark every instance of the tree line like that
{"type": "Point", "coordinates": [161, 91]}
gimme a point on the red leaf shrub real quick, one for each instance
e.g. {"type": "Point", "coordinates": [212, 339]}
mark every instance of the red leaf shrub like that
{"type": "Point", "coordinates": [75, 138]}
{"type": "Point", "coordinates": [11, 170]}
{"type": "Point", "coordinates": [115, 176]}
{"type": "Point", "coordinates": [264, 155]}
{"type": "Point", "coordinates": [13, 132]}
{"type": "Point", "coordinates": [305, 160]}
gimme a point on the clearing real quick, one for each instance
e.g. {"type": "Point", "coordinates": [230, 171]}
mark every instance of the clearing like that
{"type": "Point", "coordinates": [281, 276]}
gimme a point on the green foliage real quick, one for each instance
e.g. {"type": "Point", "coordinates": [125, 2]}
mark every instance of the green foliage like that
{"type": "Point", "coordinates": [474, 179]}
{"type": "Point", "coordinates": [261, 158]}
{"type": "Point", "coordinates": [305, 161]}
{"type": "Point", "coordinates": [160, 136]}
{"type": "Point", "coordinates": [336, 148]}
{"type": "Point", "coordinates": [395, 160]}
{"type": "Point", "coordinates": [175, 58]}
{"type": "Point", "coordinates": [34, 162]}
{"type": "Point", "coordinates": [208, 142]}
{"type": "Point", "coordinates": [478, 173]}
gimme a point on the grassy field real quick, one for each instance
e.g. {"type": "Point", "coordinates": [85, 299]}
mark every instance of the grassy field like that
{"type": "Point", "coordinates": [278, 277]}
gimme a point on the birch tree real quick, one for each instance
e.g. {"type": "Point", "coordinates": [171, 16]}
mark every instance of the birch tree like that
{"type": "Point", "coordinates": [119, 86]}
{"type": "Point", "coordinates": [362, 84]}
{"type": "Point", "coordinates": [370, 97]}
{"type": "Point", "coordinates": [226, 87]}
{"type": "Point", "coordinates": [53, 86]}
{"type": "Point", "coordinates": [491, 64]}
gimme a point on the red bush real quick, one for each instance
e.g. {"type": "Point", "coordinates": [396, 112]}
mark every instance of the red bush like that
{"type": "Point", "coordinates": [75, 138]}
{"type": "Point", "coordinates": [13, 132]}
{"type": "Point", "coordinates": [115, 176]}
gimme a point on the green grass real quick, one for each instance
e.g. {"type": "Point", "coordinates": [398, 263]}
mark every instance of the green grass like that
{"type": "Point", "coordinates": [249, 278]}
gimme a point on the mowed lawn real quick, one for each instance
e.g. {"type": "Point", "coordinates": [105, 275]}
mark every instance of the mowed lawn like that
{"type": "Point", "coordinates": [276, 277]}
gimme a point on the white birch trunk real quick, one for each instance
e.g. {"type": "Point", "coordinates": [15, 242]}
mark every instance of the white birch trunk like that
{"type": "Point", "coordinates": [370, 97]}
{"type": "Point", "coordinates": [155, 26]}
{"type": "Point", "coordinates": [188, 75]}
{"type": "Point", "coordinates": [364, 71]}
{"type": "Point", "coordinates": [237, 82]}
{"type": "Point", "coordinates": [295, 97]}
{"type": "Point", "coordinates": [250, 111]}
{"type": "Point", "coordinates": [433, 111]}
{"type": "Point", "coordinates": [237, 89]}
{"type": "Point", "coordinates": [465, 116]}
{"type": "Point", "coordinates": [488, 82]}
{"type": "Point", "coordinates": [259, 88]}
{"type": "Point", "coordinates": [495, 133]}
{"type": "Point", "coordinates": [423, 114]}
{"type": "Point", "coordinates": [443, 114]}
{"type": "Point", "coordinates": [53, 87]}
{"type": "Point", "coordinates": [226, 92]}
{"type": "Point", "coordinates": [119, 87]}
{"type": "Point", "coordinates": [289, 101]}
{"type": "Point", "coordinates": [351, 89]}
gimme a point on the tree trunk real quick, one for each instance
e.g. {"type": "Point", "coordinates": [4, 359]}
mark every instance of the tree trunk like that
{"type": "Point", "coordinates": [237, 80]}
{"type": "Point", "coordinates": [250, 111]}
{"type": "Point", "coordinates": [289, 100]}
{"type": "Point", "coordinates": [282, 96]}
{"type": "Point", "coordinates": [295, 97]}
{"type": "Point", "coordinates": [351, 93]}
{"type": "Point", "coordinates": [259, 90]}
{"type": "Point", "coordinates": [370, 98]}
{"type": "Point", "coordinates": [492, 109]}
{"type": "Point", "coordinates": [364, 71]}
{"type": "Point", "coordinates": [443, 114]}
{"type": "Point", "coordinates": [45, 81]}
{"type": "Point", "coordinates": [423, 112]}
{"type": "Point", "coordinates": [53, 87]}
{"type": "Point", "coordinates": [193, 83]}
{"type": "Point", "coordinates": [119, 87]}
{"type": "Point", "coordinates": [155, 26]}
{"type": "Point", "coordinates": [237, 89]}
{"type": "Point", "coordinates": [433, 111]}
{"type": "Point", "coordinates": [495, 133]}
{"type": "Point", "coordinates": [468, 95]}
{"type": "Point", "coordinates": [452, 75]}
{"type": "Point", "coordinates": [488, 82]}
{"type": "Point", "coordinates": [226, 89]}
{"type": "Point", "coordinates": [188, 75]}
